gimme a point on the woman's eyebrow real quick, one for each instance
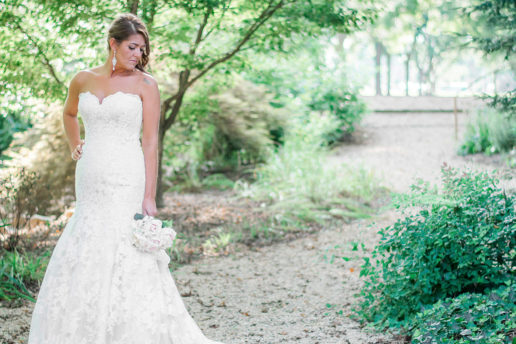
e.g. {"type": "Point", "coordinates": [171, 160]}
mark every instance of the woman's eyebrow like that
{"type": "Point", "coordinates": [137, 44]}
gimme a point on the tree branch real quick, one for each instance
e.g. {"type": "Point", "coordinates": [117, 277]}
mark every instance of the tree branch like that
{"type": "Point", "coordinates": [166, 106]}
{"type": "Point", "coordinates": [184, 79]}
{"type": "Point", "coordinates": [198, 39]}
{"type": "Point", "coordinates": [264, 16]}
{"type": "Point", "coordinates": [46, 61]}
{"type": "Point", "coordinates": [132, 5]}
{"type": "Point", "coordinates": [224, 10]}
{"type": "Point", "coordinates": [183, 86]}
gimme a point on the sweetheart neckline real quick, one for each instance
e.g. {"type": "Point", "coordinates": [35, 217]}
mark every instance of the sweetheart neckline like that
{"type": "Point", "coordinates": [109, 95]}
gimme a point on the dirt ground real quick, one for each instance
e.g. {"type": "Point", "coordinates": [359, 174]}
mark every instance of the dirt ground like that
{"type": "Point", "coordinates": [293, 291]}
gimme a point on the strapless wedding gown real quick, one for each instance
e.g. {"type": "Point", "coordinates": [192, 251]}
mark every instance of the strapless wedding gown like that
{"type": "Point", "coordinates": [97, 288]}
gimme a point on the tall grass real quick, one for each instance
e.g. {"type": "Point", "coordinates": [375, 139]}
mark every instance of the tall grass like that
{"type": "Point", "coordinates": [489, 132]}
{"type": "Point", "coordinates": [20, 273]}
{"type": "Point", "coordinates": [298, 184]}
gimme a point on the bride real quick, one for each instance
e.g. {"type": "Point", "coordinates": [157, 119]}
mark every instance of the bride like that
{"type": "Point", "coordinates": [98, 289]}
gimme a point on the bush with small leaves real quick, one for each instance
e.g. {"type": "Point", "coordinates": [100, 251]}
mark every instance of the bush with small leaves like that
{"type": "Point", "coordinates": [459, 240]}
{"type": "Point", "coordinates": [488, 318]}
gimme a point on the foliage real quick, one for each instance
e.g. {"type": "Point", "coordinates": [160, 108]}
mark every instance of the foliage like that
{"type": "Point", "coordinates": [496, 25]}
{"type": "Point", "coordinates": [494, 32]}
{"type": "Point", "coordinates": [17, 205]}
{"type": "Point", "coordinates": [298, 184]}
{"type": "Point", "coordinates": [10, 123]}
{"type": "Point", "coordinates": [504, 102]}
{"type": "Point", "coordinates": [243, 124]}
{"type": "Point", "coordinates": [218, 181]}
{"type": "Point", "coordinates": [307, 84]}
{"type": "Point", "coordinates": [456, 241]}
{"type": "Point", "coordinates": [190, 40]}
{"type": "Point", "coordinates": [488, 318]}
{"type": "Point", "coordinates": [20, 273]}
{"type": "Point", "coordinates": [44, 150]}
{"type": "Point", "coordinates": [423, 33]}
{"type": "Point", "coordinates": [489, 132]}
{"type": "Point", "coordinates": [223, 128]}
{"type": "Point", "coordinates": [40, 40]}
{"type": "Point", "coordinates": [343, 104]}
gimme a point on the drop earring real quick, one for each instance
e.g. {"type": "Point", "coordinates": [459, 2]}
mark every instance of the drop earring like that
{"type": "Point", "coordinates": [114, 60]}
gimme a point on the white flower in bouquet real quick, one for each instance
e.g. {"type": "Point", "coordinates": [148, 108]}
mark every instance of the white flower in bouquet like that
{"type": "Point", "coordinates": [149, 235]}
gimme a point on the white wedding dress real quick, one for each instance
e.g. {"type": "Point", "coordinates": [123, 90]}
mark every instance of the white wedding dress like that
{"type": "Point", "coordinates": [98, 289]}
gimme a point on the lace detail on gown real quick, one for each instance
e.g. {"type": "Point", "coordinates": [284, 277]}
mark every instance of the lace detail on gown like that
{"type": "Point", "coordinates": [98, 289]}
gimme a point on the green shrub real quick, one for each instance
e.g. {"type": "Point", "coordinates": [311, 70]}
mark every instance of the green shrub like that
{"type": "Point", "coordinates": [218, 181]}
{"type": "Point", "coordinates": [307, 83]}
{"type": "Point", "coordinates": [244, 123]}
{"type": "Point", "coordinates": [222, 132]}
{"type": "Point", "coordinates": [10, 123]}
{"type": "Point", "coordinates": [489, 132]}
{"type": "Point", "coordinates": [343, 104]}
{"type": "Point", "coordinates": [488, 318]}
{"type": "Point", "coordinates": [459, 240]}
{"type": "Point", "coordinates": [298, 184]}
{"type": "Point", "coordinates": [17, 206]}
{"type": "Point", "coordinates": [43, 149]}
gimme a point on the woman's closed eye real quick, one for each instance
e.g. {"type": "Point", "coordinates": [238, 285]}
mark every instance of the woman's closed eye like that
{"type": "Point", "coordinates": [132, 48]}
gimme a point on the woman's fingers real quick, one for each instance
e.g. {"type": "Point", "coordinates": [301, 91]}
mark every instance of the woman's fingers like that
{"type": "Point", "coordinates": [80, 147]}
{"type": "Point", "coordinates": [77, 152]}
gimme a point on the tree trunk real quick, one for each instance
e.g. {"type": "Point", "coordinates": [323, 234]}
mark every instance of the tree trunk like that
{"type": "Point", "coordinates": [407, 75]}
{"type": "Point", "coordinates": [185, 83]}
{"type": "Point", "coordinates": [339, 48]}
{"type": "Point", "coordinates": [432, 78]}
{"type": "Point", "coordinates": [160, 188]}
{"type": "Point", "coordinates": [165, 124]}
{"type": "Point", "coordinates": [420, 82]}
{"type": "Point", "coordinates": [132, 6]}
{"type": "Point", "coordinates": [378, 47]}
{"type": "Point", "coordinates": [388, 73]}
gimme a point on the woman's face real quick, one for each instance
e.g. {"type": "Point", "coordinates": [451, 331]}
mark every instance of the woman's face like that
{"type": "Point", "coordinates": [130, 51]}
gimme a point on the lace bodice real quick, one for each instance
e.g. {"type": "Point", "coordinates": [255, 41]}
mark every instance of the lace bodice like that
{"type": "Point", "coordinates": [112, 160]}
{"type": "Point", "coordinates": [117, 119]}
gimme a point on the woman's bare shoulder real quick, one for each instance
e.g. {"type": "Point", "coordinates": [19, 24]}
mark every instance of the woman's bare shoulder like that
{"type": "Point", "coordinates": [78, 81]}
{"type": "Point", "coordinates": [148, 86]}
{"type": "Point", "coordinates": [147, 79]}
{"type": "Point", "coordinates": [83, 76]}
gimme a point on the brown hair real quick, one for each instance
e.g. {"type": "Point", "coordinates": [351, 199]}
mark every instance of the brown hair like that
{"type": "Point", "coordinates": [125, 25]}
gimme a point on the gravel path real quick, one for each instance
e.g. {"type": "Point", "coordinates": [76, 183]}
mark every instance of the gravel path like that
{"type": "Point", "coordinates": [285, 293]}
{"type": "Point", "coordinates": [293, 292]}
{"type": "Point", "coordinates": [400, 147]}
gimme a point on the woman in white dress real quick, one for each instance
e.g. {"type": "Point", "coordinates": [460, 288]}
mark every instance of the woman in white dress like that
{"type": "Point", "coordinates": [98, 289]}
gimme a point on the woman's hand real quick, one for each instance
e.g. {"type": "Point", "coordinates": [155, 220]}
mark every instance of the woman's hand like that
{"type": "Point", "coordinates": [77, 152]}
{"type": "Point", "coordinates": [149, 207]}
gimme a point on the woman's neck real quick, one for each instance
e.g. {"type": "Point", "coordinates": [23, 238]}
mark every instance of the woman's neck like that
{"type": "Point", "coordinates": [107, 69]}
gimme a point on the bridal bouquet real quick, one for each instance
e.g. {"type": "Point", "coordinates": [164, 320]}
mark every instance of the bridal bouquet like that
{"type": "Point", "coordinates": [149, 235]}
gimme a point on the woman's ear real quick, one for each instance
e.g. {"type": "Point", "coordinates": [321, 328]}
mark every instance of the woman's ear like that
{"type": "Point", "coordinates": [113, 44]}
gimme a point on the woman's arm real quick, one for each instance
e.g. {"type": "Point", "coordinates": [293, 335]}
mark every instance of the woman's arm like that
{"type": "Point", "coordinates": [70, 120]}
{"type": "Point", "coordinates": [151, 116]}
